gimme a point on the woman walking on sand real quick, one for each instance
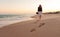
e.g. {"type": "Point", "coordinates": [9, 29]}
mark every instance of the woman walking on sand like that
{"type": "Point", "coordinates": [39, 13]}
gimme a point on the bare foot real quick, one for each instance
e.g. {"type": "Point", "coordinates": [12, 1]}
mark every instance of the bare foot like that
{"type": "Point", "coordinates": [33, 30]}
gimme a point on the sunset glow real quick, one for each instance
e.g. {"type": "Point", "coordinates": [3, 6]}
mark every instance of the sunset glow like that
{"type": "Point", "coordinates": [28, 6]}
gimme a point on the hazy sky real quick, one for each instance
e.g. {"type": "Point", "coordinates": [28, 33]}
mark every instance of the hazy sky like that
{"type": "Point", "coordinates": [28, 6]}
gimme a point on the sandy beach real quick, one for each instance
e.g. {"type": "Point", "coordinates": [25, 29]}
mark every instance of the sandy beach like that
{"type": "Point", "coordinates": [51, 28]}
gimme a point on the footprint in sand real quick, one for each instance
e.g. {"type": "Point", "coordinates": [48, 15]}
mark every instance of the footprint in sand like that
{"type": "Point", "coordinates": [41, 24]}
{"type": "Point", "coordinates": [33, 30]}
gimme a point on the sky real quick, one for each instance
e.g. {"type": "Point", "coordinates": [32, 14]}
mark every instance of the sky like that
{"type": "Point", "coordinates": [27, 6]}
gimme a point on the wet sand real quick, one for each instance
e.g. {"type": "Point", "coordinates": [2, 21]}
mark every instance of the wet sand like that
{"type": "Point", "coordinates": [51, 28]}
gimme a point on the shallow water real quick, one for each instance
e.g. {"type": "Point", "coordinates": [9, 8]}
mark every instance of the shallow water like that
{"type": "Point", "coordinates": [10, 19]}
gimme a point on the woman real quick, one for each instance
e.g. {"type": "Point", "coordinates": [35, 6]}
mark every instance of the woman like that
{"type": "Point", "coordinates": [39, 13]}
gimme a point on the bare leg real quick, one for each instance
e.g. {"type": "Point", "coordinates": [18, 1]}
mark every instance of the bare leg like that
{"type": "Point", "coordinates": [39, 19]}
{"type": "Point", "coordinates": [41, 24]}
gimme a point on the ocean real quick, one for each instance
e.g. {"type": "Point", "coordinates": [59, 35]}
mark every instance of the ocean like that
{"type": "Point", "coordinates": [7, 19]}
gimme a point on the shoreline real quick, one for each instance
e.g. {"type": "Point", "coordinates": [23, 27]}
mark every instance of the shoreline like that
{"type": "Point", "coordinates": [51, 28]}
{"type": "Point", "coordinates": [28, 19]}
{"type": "Point", "coordinates": [6, 23]}
{"type": "Point", "coordinates": [22, 29]}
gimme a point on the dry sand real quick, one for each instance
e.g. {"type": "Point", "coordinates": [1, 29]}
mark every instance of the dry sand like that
{"type": "Point", "coordinates": [23, 29]}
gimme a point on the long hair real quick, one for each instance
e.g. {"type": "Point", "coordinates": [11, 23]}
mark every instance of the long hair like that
{"type": "Point", "coordinates": [40, 6]}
